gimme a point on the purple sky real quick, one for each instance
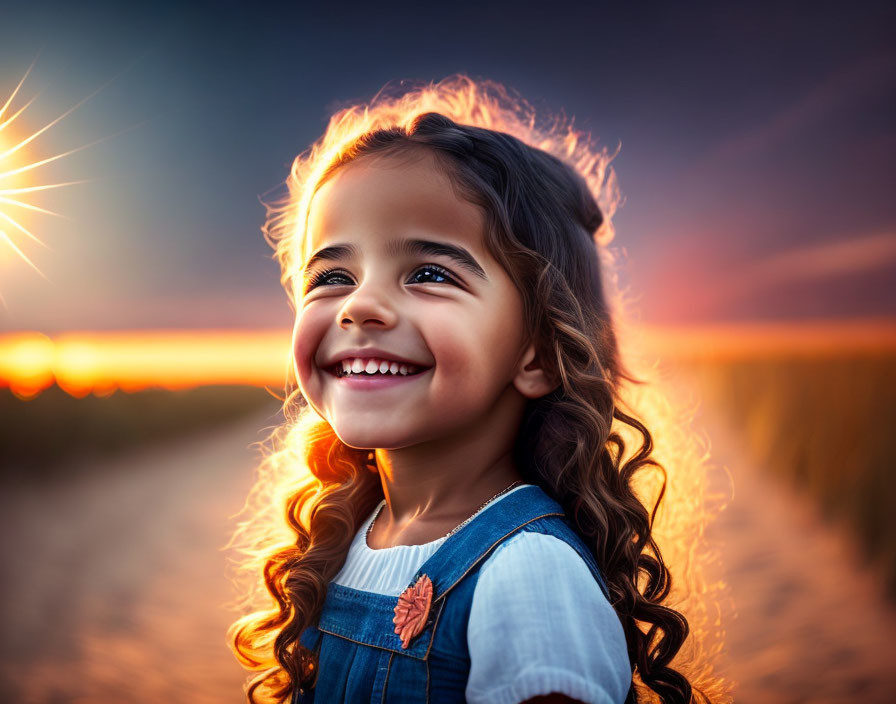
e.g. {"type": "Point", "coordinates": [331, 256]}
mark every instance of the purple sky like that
{"type": "Point", "coordinates": [757, 145]}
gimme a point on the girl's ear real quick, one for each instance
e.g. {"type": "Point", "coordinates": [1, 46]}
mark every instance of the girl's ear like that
{"type": "Point", "coordinates": [531, 380]}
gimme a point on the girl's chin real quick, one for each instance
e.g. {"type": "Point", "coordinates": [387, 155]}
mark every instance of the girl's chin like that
{"type": "Point", "coordinates": [360, 435]}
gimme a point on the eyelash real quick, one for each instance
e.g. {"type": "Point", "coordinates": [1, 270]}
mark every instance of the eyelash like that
{"type": "Point", "coordinates": [320, 276]}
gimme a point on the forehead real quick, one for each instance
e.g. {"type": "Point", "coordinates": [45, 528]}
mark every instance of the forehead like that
{"type": "Point", "coordinates": [375, 200]}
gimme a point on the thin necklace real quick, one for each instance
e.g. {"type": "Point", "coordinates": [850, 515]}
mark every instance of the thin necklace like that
{"type": "Point", "coordinates": [448, 535]}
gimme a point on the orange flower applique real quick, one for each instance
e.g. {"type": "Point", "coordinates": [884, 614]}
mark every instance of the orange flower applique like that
{"type": "Point", "coordinates": [412, 610]}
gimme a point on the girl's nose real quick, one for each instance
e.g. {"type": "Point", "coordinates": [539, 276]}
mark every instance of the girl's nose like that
{"type": "Point", "coordinates": [366, 306]}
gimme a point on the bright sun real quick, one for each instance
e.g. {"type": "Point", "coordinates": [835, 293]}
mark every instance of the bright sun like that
{"type": "Point", "coordinates": [15, 185]}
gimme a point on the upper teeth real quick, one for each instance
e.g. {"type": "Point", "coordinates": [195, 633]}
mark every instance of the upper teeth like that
{"type": "Point", "coordinates": [373, 366]}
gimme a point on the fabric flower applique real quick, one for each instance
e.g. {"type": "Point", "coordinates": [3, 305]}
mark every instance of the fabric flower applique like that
{"type": "Point", "coordinates": [412, 610]}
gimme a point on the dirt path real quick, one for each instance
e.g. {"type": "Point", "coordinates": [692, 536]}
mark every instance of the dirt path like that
{"type": "Point", "coordinates": [113, 585]}
{"type": "Point", "coordinates": [806, 621]}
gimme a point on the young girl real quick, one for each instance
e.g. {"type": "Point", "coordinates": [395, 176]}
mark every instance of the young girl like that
{"type": "Point", "coordinates": [460, 524]}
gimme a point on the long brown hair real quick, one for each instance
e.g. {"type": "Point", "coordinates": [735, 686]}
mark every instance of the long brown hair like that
{"type": "Point", "coordinates": [544, 224]}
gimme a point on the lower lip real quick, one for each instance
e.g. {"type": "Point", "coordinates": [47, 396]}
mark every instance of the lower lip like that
{"type": "Point", "coordinates": [370, 383]}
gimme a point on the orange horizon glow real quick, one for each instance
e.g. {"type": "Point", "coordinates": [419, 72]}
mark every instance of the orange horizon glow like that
{"type": "Point", "coordinates": [101, 362]}
{"type": "Point", "coordinates": [767, 339]}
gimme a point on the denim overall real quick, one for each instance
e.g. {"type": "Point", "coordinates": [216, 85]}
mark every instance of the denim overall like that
{"type": "Point", "coordinates": [360, 655]}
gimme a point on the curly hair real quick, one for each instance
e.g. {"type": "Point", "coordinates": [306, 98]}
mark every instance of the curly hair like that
{"type": "Point", "coordinates": [544, 224]}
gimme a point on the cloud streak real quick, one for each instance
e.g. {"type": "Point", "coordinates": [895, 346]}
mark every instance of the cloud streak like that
{"type": "Point", "coordinates": [848, 85]}
{"type": "Point", "coordinates": [828, 259]}
{"type": "Point", "coordinates": [713, 291]}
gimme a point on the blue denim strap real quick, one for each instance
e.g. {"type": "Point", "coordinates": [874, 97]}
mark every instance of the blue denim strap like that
{"type": "Point", "coordinates": [464, 550]}
{"type": "Point", "coordinates": [454, 560]}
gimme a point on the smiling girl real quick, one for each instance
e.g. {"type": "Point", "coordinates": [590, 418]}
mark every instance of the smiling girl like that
{"type": "Point", "coordinates": [461, 525]}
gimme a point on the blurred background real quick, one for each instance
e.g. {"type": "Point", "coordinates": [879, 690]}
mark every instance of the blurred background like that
{"type": "Point", "coordinates": [144, 333]}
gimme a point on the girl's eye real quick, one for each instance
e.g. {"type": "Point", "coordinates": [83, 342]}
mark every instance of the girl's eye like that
{"type": "Point", "coordinates": [433, 269]}
{"type": "Point", "coordinates": [437, 270]}
{"type": "Point", "coordinates": [322, 276]}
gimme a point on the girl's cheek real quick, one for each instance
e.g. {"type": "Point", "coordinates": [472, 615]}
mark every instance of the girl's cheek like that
{"type": "Point", "coordinates": [305, 341]}
{"type": "Point", "coordinates": [452, 350]}
{"type": "Point", "coordinates": [454, 359]}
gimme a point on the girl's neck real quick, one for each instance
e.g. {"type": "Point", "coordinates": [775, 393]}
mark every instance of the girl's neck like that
{"type": "Point", "coordinates": [423, 506]}
{"type": "Point", "coordinates": [432, 486]}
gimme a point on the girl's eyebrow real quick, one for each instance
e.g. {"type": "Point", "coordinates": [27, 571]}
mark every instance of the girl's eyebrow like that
{"type": "Point", "coordinates": [454, 252]}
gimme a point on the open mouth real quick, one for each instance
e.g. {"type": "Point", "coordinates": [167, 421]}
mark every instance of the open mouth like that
{"type": "Point", "coordinates": [338, 371]}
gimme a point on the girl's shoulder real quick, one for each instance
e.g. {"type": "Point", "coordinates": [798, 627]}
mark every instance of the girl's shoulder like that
{"type": "Point", "coordinates": [538, 558]}
{"type": "Point", "coordinates": [539, 619]}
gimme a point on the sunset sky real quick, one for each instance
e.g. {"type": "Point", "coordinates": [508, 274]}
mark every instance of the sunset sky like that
{"type": "Point", "coordinates": [757, 161]}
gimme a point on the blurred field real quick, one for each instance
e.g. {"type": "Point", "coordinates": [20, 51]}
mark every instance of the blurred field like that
{"type": "Point", "coordinates": [40, 436]}
{"type": "Point", "coordinates": [825, 427]}
{"type": "Point", "coordinates": [114, 513]}
{"type": "Point", "coordinates": [115, 583]}
{"type": "Point", "coordinates": [806, 619]}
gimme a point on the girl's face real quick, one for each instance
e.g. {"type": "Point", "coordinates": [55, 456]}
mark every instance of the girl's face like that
{"type": "Point", "coordinates": [448, 306]}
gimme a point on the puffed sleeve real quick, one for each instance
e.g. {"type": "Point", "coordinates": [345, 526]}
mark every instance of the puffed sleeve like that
{"type": "Point", "coordinates": [539, 623]}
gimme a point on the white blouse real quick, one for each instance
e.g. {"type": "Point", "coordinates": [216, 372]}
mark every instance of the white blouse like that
{"type": "Point", "coordinates": [526, 634]}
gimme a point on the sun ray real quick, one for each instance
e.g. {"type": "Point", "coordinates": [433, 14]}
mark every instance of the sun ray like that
{"type": "Point", "coordinates": [17, 187]}
{"type": "Point", "coordinates": [17, 113]}
{"type": "Point", "coordinates": [32, 189]}
{"type": "Point", "coordinates": [28, 206]}
{"type": "Point", "coordinates": [34, 165]}
{"type": "Point", "coordinates": [15, 92]}
{"type": "Point", "coordinates": [12, 221]}
{"type": "Point", "coordinates": [12, 244]}
{"type": "Point", "coordinates": [10, 168]}
{"type": "Point", "coordinates": [43, 129]}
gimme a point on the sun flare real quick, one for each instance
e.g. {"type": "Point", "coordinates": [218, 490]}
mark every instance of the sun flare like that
{"type": "Point", "coordinates": [17, 182]}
